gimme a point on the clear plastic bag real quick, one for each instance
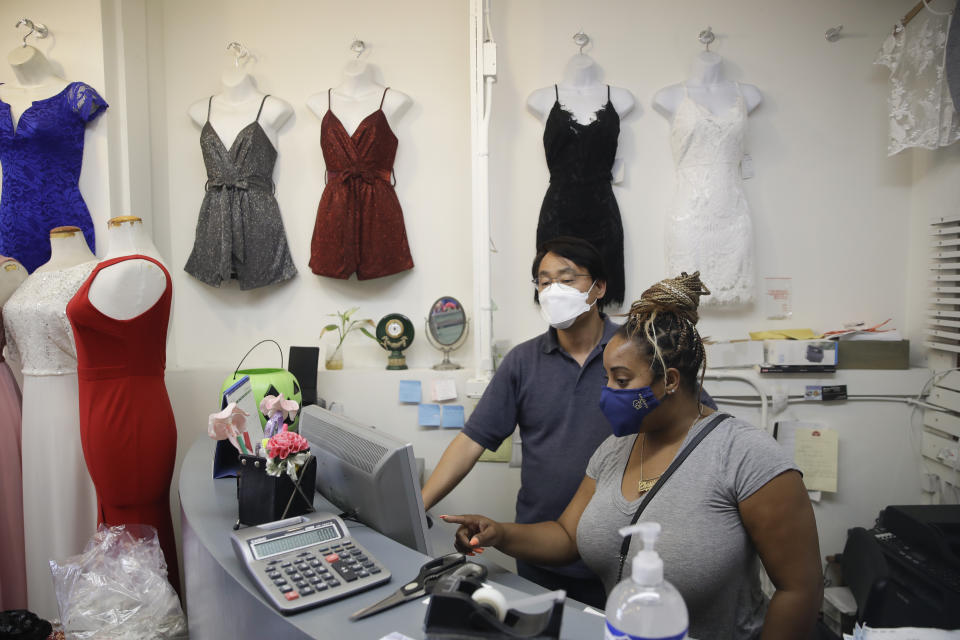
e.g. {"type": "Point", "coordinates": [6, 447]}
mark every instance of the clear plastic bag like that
{"type": "Point", "coordinates": [117, 589]}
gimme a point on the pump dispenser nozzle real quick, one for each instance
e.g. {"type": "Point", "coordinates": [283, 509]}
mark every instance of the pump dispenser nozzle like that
{"type": "Point", "coordinates": [647, 566]}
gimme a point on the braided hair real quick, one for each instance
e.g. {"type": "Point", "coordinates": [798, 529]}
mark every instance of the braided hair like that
{"type": "Point", "coordinates": [663, 323]}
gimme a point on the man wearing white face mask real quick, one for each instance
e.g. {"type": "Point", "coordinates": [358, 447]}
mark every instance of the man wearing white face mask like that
{"type": "Point", "coordinates": [550, 387]}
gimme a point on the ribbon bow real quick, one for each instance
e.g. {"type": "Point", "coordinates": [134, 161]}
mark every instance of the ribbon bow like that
{"type": "Point", "coordinates": [368, 174]}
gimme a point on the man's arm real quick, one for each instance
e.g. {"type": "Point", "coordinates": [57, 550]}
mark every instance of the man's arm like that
{"type": "Point", "coordinates": [455, 463]}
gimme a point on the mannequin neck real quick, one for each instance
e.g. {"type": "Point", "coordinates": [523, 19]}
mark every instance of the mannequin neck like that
{"type": "Point", "coordinates": [12, 275]}
{"type": "Point", "coordinates": [128, 238]}
{"type": "Point", "coordinates": [31, 67]}
{"type": "Point", "coordinates": [581, 71]}
{"type": "Point", "coordinates": [67, 249]}
{"type": "Point", "coordinates": [357, 80]}
{"type": "Point", "coordinates": [237, 87]}
{"type": "Point", "coordinates": [707, 69]}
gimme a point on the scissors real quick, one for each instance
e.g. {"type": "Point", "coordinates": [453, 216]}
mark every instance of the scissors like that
{"type": "Point", "coordinates": [420, 586]}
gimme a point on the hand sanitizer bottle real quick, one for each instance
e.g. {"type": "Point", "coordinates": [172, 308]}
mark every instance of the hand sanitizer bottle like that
{"type": "Point", "coordinates": [644, 606]}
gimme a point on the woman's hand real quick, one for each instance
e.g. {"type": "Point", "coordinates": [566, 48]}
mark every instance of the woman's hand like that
{"type": "Point", "coordinates": [475, 533]}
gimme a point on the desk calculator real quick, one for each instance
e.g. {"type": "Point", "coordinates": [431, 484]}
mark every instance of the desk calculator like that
{"type": "Point", "coordinates": [306, 561]}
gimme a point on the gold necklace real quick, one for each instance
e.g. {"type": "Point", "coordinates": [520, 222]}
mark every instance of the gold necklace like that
{"type": "Point", "coordinates": [645, 485]}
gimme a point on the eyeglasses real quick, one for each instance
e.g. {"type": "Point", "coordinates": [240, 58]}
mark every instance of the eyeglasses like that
{"type": "Point", "coordinates": [567, 279]}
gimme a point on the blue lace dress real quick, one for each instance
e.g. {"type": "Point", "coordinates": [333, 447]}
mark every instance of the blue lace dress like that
{"type": "Point", "coordinates": [41, 161]}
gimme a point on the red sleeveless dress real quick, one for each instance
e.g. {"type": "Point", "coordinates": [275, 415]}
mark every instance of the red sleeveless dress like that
{"type": "Point", "coordinates": [359, 225]}
{"type": "Point", "coordinates": [127, 427]}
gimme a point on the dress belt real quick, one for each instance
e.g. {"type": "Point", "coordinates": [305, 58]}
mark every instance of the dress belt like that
{"type": "Point", "coordinates": [245, 183]}
{"type": "Point", "coordinates": [367, 174]}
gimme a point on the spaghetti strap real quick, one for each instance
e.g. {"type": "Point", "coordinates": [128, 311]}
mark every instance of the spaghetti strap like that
{"type": "Point", "coordinates": [262, 102]}
{"type": "Point", "coordinates": [383, 97]}
{"type": "Point", "coordinates": [556, 93]}
{"type": "Point", "coordinates": [209, 104]}
{"type": "Point", "coordinates": [328, 98]}
{"type": "Point", "coordinates": [608, 93]}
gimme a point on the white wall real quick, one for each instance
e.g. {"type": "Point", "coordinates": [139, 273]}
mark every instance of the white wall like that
{"type": "Point", "coordinates": [829, 208]}
{"type": "Point", "coordinates": [300, 49]}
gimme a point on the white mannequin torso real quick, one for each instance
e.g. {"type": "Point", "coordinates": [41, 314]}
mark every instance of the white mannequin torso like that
{"type": "Point", "coordinates": [707, 87]}
{"type": "Point", "coordinates": [357, 96]}
{"type": "Point", "coordinates": [12, 275]}
{"type": "Point", "coordinates": [580, 93]}
{"type": "Point", "coordinates": [36, 80]}
{"type": "Point", "coordinates": [236, 107]}
{"type": "Point", "coordinates": [127, 289]}
{"type": "Point", "coordinates": [68, 248]}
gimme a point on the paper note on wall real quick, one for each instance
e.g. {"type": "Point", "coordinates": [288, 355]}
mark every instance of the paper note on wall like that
{"type": "Point", "coordinates": [428, 415]}
{"type": "Point", "coordinates": [409, 391]}
{"type": "Point", "coordinates": [452, 416]}
{"type": "Point", "coordinates": [816, 452]}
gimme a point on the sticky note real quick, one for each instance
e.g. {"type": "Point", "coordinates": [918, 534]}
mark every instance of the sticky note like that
{"type": "Point", "coordinates": [429, 415]}
{"type": "Point", "coordinates": [444, 389]}
{"type": "Point", "coordinates": [452, 416]}
{"type": "Point", "coordinates": [410, 391]}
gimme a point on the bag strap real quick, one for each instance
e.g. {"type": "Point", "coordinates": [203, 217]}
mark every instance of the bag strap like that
{"type": "Point", "coordinates": [254, 347]}
{"type": "Point", "coordinates": [687, 450]}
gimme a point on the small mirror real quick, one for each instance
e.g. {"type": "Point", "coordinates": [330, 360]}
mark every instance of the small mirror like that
{"type": "Point", "coordinates": [447, 329]}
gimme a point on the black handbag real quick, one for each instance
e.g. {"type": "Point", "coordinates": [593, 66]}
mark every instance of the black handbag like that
{"type": "Point", "coordinates": [265, 498]}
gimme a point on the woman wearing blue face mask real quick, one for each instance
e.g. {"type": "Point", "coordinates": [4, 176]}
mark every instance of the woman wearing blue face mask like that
{"type": "Point", "coordinates": [731, 500]}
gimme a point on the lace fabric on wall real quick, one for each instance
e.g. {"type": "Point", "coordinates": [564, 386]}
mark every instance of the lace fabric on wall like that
{"type": "Point", "coordinates": [922, 113]}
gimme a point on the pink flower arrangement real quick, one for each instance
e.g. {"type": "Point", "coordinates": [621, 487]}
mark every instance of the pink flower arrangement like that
{"type": "Point", "coordinates": [286, 452]}
{"type": "Point", "coordinates": [285, 443]}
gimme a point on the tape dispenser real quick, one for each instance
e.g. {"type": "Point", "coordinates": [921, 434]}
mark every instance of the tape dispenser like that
{"type": "Point", "coordinates": [462, 608]}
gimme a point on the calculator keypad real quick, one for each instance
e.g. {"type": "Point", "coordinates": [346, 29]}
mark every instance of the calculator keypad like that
{"type": "Point", "coordinates": [320, 570]}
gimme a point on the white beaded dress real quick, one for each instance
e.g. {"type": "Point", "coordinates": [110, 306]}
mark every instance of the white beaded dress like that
{"type": "Point", "coordinates": [708, 228]}
{"type": "Point", "coordinates": [59, 501]}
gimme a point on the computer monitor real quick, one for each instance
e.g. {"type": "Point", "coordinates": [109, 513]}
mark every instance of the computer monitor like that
{"type": "Point", "coordinates": [369, 474]}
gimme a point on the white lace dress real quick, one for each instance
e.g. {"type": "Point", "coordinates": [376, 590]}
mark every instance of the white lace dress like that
{"type": "Point", "coordinates": [922, 113]}
{"type": "Point", "coordinates": [59, 501]}
{"type": "Point", "coordinates": [708, 228]}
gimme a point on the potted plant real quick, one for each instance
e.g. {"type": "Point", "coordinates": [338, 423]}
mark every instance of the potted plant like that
{"type": "Point", "coordinates": [345, 324]}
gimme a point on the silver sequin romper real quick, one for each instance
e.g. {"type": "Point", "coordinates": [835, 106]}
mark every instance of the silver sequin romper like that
{"type": "Point", "coordinates": [240, 233]}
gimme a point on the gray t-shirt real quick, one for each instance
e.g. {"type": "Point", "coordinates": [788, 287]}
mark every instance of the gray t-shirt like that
{"type": "Point", "coordinates": [707, 554]}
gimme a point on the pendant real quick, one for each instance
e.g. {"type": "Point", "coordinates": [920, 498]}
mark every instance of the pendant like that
{"type": "Point", "coordinates": [645, 485]}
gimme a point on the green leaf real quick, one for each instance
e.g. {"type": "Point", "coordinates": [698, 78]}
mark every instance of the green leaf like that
{"type": "Point", "coordinates": [368, 334]}
{"type": "Point", "coordinates": [330, 327]}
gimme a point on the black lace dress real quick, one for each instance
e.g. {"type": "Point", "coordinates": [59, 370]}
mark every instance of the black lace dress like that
{"type": "Point", "coordinates": [579, 201]}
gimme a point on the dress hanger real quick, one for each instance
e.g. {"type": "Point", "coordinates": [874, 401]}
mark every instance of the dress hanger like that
{"type": "Point", "coordinates": [917, 8]}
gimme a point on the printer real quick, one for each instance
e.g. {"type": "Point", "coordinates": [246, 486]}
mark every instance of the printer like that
{"type": "Point", "coordinates": [905, 571]}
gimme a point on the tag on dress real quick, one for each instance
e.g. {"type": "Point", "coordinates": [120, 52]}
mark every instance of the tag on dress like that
{"type": "Point", "coordinates": [746, 167]}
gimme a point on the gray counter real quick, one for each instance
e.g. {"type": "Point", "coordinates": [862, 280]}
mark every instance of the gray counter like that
{"type": "Point", "coordinates": [222, 602]}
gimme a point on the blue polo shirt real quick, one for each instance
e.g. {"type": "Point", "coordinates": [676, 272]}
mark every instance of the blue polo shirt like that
{"type": "Point", "coordinates": [556, 403]}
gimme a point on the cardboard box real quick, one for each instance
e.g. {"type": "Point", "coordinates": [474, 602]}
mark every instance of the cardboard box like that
{"type": "Point", "coordinates": [874, 354]}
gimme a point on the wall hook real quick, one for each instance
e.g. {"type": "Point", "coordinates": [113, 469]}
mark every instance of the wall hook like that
{"type": "Point", "coordinates": [37, 29]}
{"type": "Point", "coordinates": [706, 37]}
{"type": "Point", "coordinates": [833, 33]}
{"type": "Point", "coordinates": [581, 39]}
{"type": "Point", "coordinates": [358, 46]}
{"type": "Point", "coordinates": [240, 52]}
